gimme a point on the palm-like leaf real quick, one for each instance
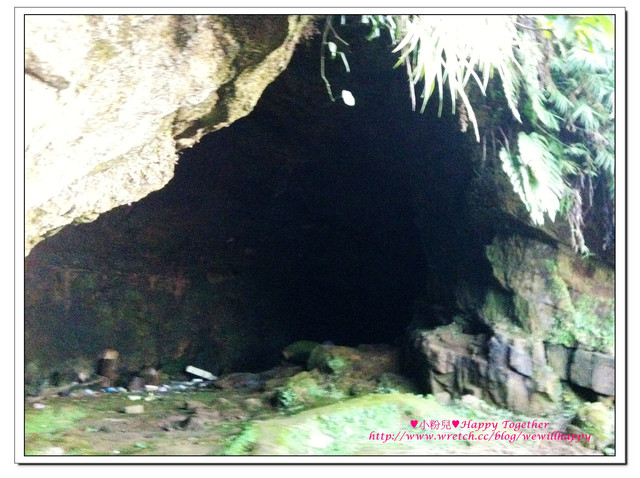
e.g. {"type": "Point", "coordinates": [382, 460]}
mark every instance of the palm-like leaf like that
{"type": "Point", "coordinates": [536, 176]}
{"type": "Point", "coordinates": [453, 50]}
{"type": "Point", "coordinates": [562, 71]}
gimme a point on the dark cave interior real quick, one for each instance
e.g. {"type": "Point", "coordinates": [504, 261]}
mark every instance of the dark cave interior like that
{"type": "Point", "coordinates": [332, 222]}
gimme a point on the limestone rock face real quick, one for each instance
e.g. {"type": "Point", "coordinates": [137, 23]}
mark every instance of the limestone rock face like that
{"type": "Point", "coordinates": [523, 374]}
{"type": "Point", "coordinates": [110, 100]}
{"type": "Point", "coordinates": [550, 293]}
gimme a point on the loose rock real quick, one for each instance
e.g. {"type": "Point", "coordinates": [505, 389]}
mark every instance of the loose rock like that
{"type": "Point", "coordinates": [134, 409]}
{"type": "Point", "coordinates": [136, 384]}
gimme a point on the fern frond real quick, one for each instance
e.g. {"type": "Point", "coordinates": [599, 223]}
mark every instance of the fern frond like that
{"type": "Point", "coordinates": [454, 50]}
{"type": "Point", "coordinates": [577, 150]}
{"type": "Point", "coordinates": [585, 114]}
{"type": "Point", "coordinates": [606, 160]}
{"type": "Point", "coordinates": [531, 59]}
{"type": "Point", "coordinates": [559, 101]}
{"type": "Point", "coordinates": [536, 176]}
{"type": "Point", "coordinates": [511, 88]}
{"type": "Point", "coordinates": [518, 176]}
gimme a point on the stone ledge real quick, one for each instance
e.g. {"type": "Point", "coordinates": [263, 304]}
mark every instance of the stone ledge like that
{"type": "Point", "coordinates": [519, 374]}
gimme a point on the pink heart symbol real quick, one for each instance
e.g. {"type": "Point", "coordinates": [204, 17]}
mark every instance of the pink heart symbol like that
{"type": "Point", "coordinates": [414, 423]}
{"type": "Point", "coordinates": [455, 423]}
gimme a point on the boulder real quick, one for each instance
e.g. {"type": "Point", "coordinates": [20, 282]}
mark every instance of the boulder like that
{"type": "Point", "coordinates": [299, 351]}
{"type": "Point", "coordinates": [520, 357]}
{"type": "Point", "coordinates": [333, 358]}
{"type": "Point", "coordinates": [498, 351]}
{"type": "Point", "coordinates": [597, 420]}
{"type": "Point", "coordinates": [603, 375]}
{"type": "Point", "coordinates": [517, 393]}
{"type": "Point", "coordinates": [559, 359]}
{"type": "Point", "coordinates": [507, 371]}
{"type": "Point", "coordinates": [242, 381]}
{"type": "Point", "coordinates": [581, 369]}
{"type": "Point", "coordinates": [302, 390]}
{"type": "Point", "coordinates": [550, 292]}
{"type": "Point", "coordinates": [137, 384]}
{"type": "Point", "coordinates": [134, 409]}
{"type": "Point", "coordinates": [107, 366]}
{"type": "Point", "coordinates": [151, 376]}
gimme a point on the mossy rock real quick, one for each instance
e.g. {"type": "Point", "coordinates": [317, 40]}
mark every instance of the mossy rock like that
{"type": "Point", "coordinates": [306, 389]}
{"type": "Point", "coordinates": [391, 382]}
{"type": "Point", "coordinates": [598, 421]}
{"type": "Point", "coordinates": [344, 428]}
{"type": "Point", "coordinates": [333, 359]}
{"type": "Point", "coordinates": [300, 351]}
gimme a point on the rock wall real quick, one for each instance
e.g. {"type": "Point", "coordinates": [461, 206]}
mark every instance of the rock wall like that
{"type": "Point", "coordinates": [522, 374]}
{"type": "Point", "coordinates": [110, 100]}
{"type": "Point", "coordinates": [538, 319]}
{"type": "Point", "coordinates": [166, 318]}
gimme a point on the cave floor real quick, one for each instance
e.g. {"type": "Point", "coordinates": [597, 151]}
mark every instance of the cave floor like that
{"type": "Point", "coordinates": [267, 421]}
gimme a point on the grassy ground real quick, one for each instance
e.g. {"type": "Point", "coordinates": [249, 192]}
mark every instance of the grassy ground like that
{"type": "Point", "coordinates": [98, 426]}
{"type": "Point", "coordinates": [235, 423]}
{"type": "Point", "coordinates": [337, 408]}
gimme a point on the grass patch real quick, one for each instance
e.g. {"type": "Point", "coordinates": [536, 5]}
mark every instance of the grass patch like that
{"type": "Point", "coordinates": [243, 443]}
{"type": "Point", "coordinates": [47, 428]}
{"type": "Point", "coordinates": [345, 428]}
{"type": "Point", "coordinates": [51, 421]}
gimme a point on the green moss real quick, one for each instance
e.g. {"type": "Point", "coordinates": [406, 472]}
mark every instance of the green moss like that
{"type": "Point", "coordinates": [306, 389]}
{"type": "Point", "coordinates": [287, 398]}
{"type": "Point", "coordinates": [521, 312]}
{"type": "Point", "coordinates": [556, 285]}
{"type": "Point", "coordinates": [103, 50]}
{"type": "Point", "coordinates": [345, 428]}
{"type": "Point", "coordinates": [332, 359]}
{"type": "Point", "coordinates": [598, 421]}
{"type": "Point", "coordinates": [336, 364]}
{"type": "Point", "coordinates": [243, 443]}
{"type": "Point", "coordinates": [392, 383]}
{"type": "Point", "coordinates": [497, 307]}
{"type": "Point", "coordinates": [591, 324]}
{"type": "Point", "coordinates": [586, 320]}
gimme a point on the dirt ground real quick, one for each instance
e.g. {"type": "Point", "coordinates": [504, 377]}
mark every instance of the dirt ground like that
{"type": "Point", "coordinates": [212, 422]}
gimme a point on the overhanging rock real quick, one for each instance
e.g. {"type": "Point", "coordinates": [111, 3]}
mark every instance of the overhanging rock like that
{"type": "Point", "coordinates": [110, 100]}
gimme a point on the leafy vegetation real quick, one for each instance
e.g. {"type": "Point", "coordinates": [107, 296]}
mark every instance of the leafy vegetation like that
{"type": "Point", "coordinates": [452, 50]}
{"type": "Point", "coordinates": [586, 320]}
{"type": "Point", "coordinates": [557, 78]}
{"type": "Point", "coordinates": [286, 398]}
{"type": "Point", "coordinates": [242, 444]}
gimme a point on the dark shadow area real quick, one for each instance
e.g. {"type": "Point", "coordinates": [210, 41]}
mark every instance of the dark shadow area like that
{"type": "Point", "coordinates": [308, 219]}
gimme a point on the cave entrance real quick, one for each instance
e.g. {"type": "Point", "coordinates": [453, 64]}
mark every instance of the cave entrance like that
{"type": "Point", "coordinates": [307, 219]}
